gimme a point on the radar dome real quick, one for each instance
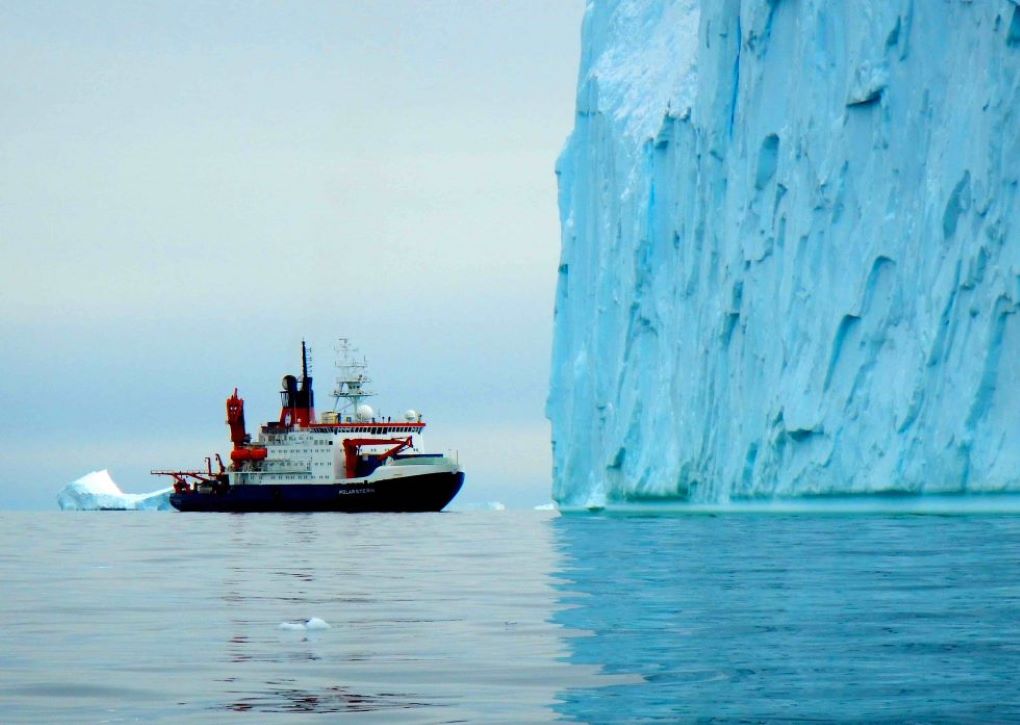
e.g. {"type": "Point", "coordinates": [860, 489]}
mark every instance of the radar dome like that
{"type": "Point", "coordinates": [365, 412]}
{"type": "Point", "coordinates": [411, 415]}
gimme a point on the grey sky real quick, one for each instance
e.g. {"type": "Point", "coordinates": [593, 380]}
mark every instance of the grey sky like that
{"type": "Point", "coordinates": [188, 189]}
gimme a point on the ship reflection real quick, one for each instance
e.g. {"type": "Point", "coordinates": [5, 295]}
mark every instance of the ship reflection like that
{"type": "Point", "coordinates": [427, 624]}
{"type": "Point", "coordinates": [334, 699]}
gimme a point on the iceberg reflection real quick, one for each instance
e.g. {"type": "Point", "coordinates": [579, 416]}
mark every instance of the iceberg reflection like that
{"type": "Point", "coordinates": [766, 617]}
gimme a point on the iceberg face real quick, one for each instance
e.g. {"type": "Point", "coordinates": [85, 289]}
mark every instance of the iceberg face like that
{"type": "Point", "coordinates": [97, 491]}
{"type": "Point", "coordinates": [791, 251]}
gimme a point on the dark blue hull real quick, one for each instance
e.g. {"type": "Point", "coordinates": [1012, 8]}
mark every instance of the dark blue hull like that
{"type": "Point", "coordinates": [428, 492]}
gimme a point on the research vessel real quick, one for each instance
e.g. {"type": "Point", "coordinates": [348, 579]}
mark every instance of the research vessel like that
{"type": "Point", "coordinates": [350, 459]}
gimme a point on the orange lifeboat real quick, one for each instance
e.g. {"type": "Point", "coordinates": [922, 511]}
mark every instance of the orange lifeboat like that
{"type": "Point", "coordinates": [239, 455]}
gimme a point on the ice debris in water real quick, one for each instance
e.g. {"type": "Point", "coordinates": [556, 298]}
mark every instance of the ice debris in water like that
{"type": "Point", "coordinates": [97, 491]}
{"type": "Point", "coordinates": [479, 506]}
{"type": "Point", "coordinates": [304, 625]}
{"type": "Point", "coordinates": [790, 258]}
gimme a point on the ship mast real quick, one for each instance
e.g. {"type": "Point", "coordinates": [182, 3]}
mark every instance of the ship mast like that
{"type": "Point", "coordinates": [351, 379]}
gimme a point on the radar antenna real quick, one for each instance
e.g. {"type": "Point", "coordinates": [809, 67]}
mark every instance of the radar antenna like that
{"type": "Point", "coordinates": [351, 378]}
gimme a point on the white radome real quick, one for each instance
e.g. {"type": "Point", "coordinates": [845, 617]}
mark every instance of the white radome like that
{"type": "Point", "coordinates": [365, 412]}
{"type": "Point", "coordinates": [411, 415]}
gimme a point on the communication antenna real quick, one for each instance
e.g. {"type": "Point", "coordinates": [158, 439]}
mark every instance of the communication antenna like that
{"type": "Point", "coordinates": [351, 378]}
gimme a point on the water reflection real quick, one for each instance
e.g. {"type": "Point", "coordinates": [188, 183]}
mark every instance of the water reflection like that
{"type": "Point", "coordinates": [284, 699]}
{"type": "Point", "coordinates": [512, 617]}
{"type": "Point", "coordinates": [778, 617]}
{"type": "Point", "coordinates": [453, 612]}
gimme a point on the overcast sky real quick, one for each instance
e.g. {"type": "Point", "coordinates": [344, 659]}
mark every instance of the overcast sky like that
{"type": "Point", "coordinates": [189, 188]}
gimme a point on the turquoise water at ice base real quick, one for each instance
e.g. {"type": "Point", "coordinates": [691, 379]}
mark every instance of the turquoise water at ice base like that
{"type": "Point", "coordinates": [509, 616]}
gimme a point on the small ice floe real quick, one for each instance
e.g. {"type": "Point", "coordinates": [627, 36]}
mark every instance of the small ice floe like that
{"type": "Point", "coordinates": [546, 507]}
{"type": "Point", "coordinates": [303, 625]}
{"type": "Point", "coordinates": [479, 506]}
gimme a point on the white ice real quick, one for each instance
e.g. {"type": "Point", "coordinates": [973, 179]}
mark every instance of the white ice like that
{"type": "Point", "coordinates": [305, 625]}
{"type": "Point", "coordinates": [97, 491]}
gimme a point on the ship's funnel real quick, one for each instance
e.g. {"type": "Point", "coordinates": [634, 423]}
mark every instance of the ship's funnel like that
{"type": "Point", "coordinates": [298, 401]}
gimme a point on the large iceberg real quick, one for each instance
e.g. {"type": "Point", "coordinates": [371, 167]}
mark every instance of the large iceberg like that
{"type": "Point", "coordinates": [97, 491]}
{"type": "Point", "coordinates": [791, 253]}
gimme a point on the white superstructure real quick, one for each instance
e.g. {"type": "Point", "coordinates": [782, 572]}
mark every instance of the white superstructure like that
{"type": "Point", "coordinates": [350, 442]}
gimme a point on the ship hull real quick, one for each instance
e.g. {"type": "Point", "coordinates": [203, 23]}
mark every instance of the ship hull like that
{"type": "Point", "coordinates": [425, 492]}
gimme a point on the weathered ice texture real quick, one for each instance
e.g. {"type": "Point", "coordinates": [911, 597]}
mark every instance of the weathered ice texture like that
{"type": "Point", "coordinates": [791, 251]}
{"type": "Point", "coordinates": [97, 491]}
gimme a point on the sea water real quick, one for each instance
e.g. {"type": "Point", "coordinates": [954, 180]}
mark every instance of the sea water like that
{"type": "Point", "coordinates": [508, 616]}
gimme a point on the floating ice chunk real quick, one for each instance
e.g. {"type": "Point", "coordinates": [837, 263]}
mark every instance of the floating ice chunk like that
{"type": "Point", "coordinates": [546, 507]}
{"type": "Point", "coordinates": [304, 625]}
{"type": "Point", "coordinates": [481, 506]}
{"type": "Point", "coordinates": [97, 491]}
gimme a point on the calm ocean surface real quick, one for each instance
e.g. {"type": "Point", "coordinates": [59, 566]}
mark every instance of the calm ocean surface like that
{"type": "Point", "coordinates": [509, 616]}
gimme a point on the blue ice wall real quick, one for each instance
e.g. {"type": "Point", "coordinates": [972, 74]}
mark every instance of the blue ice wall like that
{"type": "Point", "coordinates": [791, 251]}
